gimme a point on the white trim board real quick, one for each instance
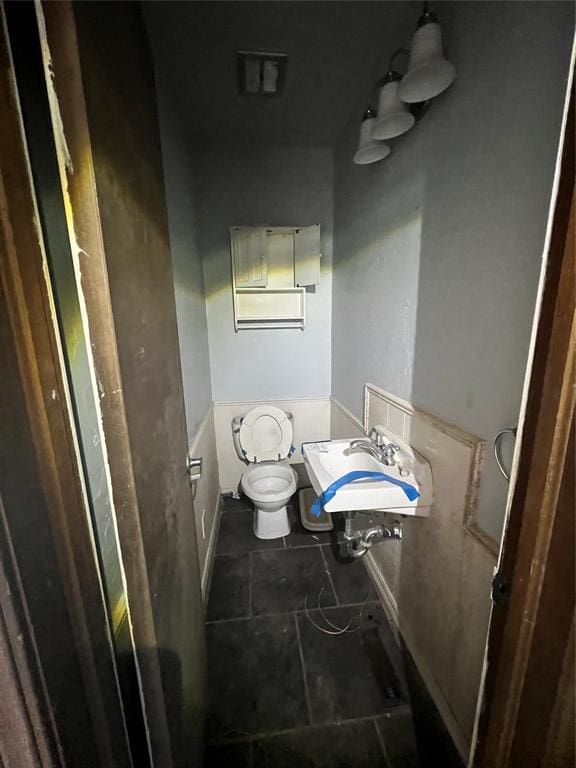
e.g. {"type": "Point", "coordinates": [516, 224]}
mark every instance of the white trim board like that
{"type": "Point", "coordinates": [274, 401]}
{"type": "Point", "coordinates": [206, 490]}
{"type": "Point", "coordinates": [211, 550]}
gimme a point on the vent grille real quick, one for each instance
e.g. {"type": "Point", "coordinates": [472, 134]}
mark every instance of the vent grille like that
{"type": "Point", "coordinates": [261, 74]}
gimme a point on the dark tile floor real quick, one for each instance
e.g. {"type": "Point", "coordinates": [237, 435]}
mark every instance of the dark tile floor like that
{"type": "Point", "coordinates": [280, 691]}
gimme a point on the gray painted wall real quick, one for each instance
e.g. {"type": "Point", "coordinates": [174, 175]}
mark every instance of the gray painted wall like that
{"type": "Point", "coordinates": [283, 186]}
{"type": "Point", "coordinates": [180, 178]}
{"type": "Point", "coordinates": [438, 248]}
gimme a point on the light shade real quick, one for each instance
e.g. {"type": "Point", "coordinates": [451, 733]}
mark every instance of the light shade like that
{"type": "Point", "coordinates": [369, 150]}
{"type": "Point", "coordinates": [394, 116]}
{"type": "Point", "coordinates": [428, 71]}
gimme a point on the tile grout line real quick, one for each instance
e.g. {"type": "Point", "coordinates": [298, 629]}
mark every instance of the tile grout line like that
{"type": "Point", "coordinates": [380, 738]}
{"type": "Point", "coordinates": [327, 569]}
{"type": "Point", "coordinates": [260, 735]}
{"type": "Point", "coordinates": [284, 613]}
{"type": "Point", "coordinates": [303, 666]}
{"type": "Point", "coordinates": [287, 548]}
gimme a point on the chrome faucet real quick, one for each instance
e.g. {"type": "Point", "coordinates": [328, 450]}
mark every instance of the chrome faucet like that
{"type": "Point", "coordinates": [363, 444]}
{"type": "Point", "coordinates": [376, 446]}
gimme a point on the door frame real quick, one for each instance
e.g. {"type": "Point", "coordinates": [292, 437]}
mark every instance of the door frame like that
{"type": "Point", "coordinates": [529, 549]}
{"type": "Point", "coordinates": [29, 733]}
{"type": "Point", "coordinates": [64, 78]}
{"type": "Point", "coordinates": [30, 307]}
{"type": "Point", "coordinates": [26, 277]}
{"type": "Point", "coordinates": [531, 629]}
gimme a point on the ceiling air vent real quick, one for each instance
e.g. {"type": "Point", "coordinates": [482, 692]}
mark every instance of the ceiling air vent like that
{"type": "Point", "coordinates": [261, 74]}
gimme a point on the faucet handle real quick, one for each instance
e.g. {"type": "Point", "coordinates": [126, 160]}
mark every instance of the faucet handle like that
{"type": "Point", "coordinates": [377, 438]}
{"type": "Point", "coordinates": [389, 454]}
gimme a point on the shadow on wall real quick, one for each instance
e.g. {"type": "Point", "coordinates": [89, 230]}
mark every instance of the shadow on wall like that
{"type": "Point", "coordinates": [181, 182]}
{"type": "Point", "coordinates": [266, 186]}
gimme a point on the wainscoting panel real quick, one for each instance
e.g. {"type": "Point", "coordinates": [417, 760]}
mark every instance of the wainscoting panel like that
{"type": "Point", "coordinates": [206, 494]}
{"type": "Point", "coordinates": [435, 583]}
{"type": "Point", "coordinates": [311, 422]}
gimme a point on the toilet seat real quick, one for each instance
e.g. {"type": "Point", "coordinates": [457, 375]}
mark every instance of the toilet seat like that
{"type": "Point", "coordinates": [266, 434]}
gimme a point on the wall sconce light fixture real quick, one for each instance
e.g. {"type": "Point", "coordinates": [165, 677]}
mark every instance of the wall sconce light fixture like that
{"type": "Point", "coordinates": [403, 100]}
{"type": "Point", "coordinates": [429, 74]}
{"type": "Point", "coordinates": [369, 149]}
{"type": "Point", "coordinates": [394, 115]}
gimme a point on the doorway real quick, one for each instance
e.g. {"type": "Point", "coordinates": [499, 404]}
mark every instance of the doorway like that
{"type": "Point", "coordinates": [309, 657]}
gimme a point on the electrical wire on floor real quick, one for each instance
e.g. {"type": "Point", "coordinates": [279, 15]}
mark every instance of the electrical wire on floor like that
{"type": "Point", "coordinates": [333, 629]}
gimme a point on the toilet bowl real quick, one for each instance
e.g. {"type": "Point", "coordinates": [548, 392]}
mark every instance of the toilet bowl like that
{"type": "Point", "coordinates": [270, 485]}
{"type": "Point", "coordinates": [263, 440]}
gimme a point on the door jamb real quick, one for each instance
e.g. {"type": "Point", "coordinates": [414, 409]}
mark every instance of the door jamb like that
{"type": "Point", "coordinates": [30, 307]}
{"type": "Point", "coordinates": [528, 551]}
{"type": "Point", "coordinates": [63, 73]}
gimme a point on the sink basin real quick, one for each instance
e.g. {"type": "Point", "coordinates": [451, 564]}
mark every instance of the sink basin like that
{"type": "Point", "coordinates": [327, 461]}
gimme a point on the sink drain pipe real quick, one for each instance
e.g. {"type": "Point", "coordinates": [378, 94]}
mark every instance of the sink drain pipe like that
{"type": "Point", "coordinates": [357, 543]}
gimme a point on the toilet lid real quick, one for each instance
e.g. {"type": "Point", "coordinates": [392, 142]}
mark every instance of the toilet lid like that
{"type": "Point", "coordinates": [266, 434]}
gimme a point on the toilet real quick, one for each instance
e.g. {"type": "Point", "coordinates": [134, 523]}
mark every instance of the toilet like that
{"type": "Point", "coordinates": [263, 440]}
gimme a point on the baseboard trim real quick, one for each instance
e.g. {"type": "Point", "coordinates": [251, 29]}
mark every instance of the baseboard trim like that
{"type": "Point", "coordinates": [390, 608]}
{"type": "Point", "coordinates": [210, 551]}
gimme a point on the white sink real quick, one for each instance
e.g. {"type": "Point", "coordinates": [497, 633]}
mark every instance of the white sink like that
{"type": "Point", "coordinates": [326, 462]}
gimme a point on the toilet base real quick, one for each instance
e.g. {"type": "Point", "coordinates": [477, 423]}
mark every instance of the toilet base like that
{"type": "Point", "coordinates": [271, 525]}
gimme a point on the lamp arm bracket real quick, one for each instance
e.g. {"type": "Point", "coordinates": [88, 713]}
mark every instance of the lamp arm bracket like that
{"type": "Point", "coordinates": [397, 52]}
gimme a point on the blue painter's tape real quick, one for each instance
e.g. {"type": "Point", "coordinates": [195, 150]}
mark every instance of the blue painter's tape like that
{"type": "Point", "coordinates": [317, 507]}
